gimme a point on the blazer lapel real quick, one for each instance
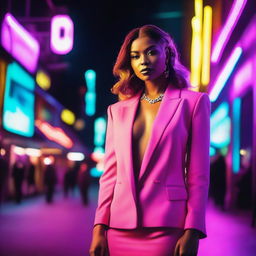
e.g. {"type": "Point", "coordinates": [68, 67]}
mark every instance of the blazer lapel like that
{"type": "Point", "coordinates": [166, 111]}
{"type": "Point", "coordinates": [127, 114]}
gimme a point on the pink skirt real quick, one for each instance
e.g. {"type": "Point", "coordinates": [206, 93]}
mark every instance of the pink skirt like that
{"type": "Point", "coordinates": [143, 241]}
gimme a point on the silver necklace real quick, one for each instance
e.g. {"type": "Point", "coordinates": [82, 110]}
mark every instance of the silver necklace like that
{"type": "Point", "coordinates": [152, 101]}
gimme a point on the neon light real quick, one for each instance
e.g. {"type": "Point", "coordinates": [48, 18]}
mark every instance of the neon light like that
{"type": "Point", "coordinates": [51, 151]}
{"type": "Point", "coordinates": [19, 100]}
{"type": "Point", "coordinates": [98, 154]}
{"type": "Point", "coordinates": [19, 43]}
{"type": "Point", "coordinates": [225, 74]}
{"type": "Point", "coordinates": [79, 124]}
{"type": "Point", "coordinates": [233, 17]}
{"type": "Point", "coordinates": [220, 126]}
{"type": "Point", "coordinates": [243, 78]}
{"type": "Point", "coordinates": [19, 150]}
{"type": "Point", "coordinates": [48, 160]}
{"type": "Point", "coordinates": [99, 131]}
{"type": "Point", "coordinates": [55, 134]}
{"type": "Point", "coordinates": [43, 80]}
{"type": "Point", "coordinates": [94, 172]}
{"type": "Point", "coordinates": [90, 96]}
{"type": "Point", "coordinates": [62, 34]}
{"type": "Point", "coordinates": [33, 152]}
{"type": "Point", "coordinates": [75, 156]}
{"type": "Point", "coordinates": [212, 151]}
{"type": "Point", "coordinates": [207, 36]}
{"type": "Point", "coordinates": [196, 45]}
{"type": "Point", "coordinates": [236, 135]}
{"type": "Point", "coordinates": [168, 15]}
{"type": "Point", "coordinates": [68, 117]}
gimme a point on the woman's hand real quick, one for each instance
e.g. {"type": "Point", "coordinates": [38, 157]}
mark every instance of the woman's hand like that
{"type": "Point", "coordinates": [187, 245]}
{"type": "Point", "coordinates": [99, 245]}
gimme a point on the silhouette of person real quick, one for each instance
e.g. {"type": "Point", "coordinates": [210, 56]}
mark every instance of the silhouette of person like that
{"type": "Point", "coordinates": [218, 180]}
{"type": "Point", "coordinates": [84, 180]}
{"type": "Point", "coordinates": [3, 176]}
{"type": "Point", "coordinates": [70, 181]}
{"type": "Point", "coordinates": [50, 180]}
{"type": "Point", "coordinates": [31, 177]}
{"type": "Point", "coordinates": [18, 177]}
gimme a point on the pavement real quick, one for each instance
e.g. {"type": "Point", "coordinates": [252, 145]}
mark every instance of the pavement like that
{"type": "Point", "coordinates": [35, 228]}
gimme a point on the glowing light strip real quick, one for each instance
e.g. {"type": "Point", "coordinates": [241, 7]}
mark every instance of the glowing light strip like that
{"type": "Point", "coordinates": [196, 45]}
{"type": "Point", "coordinates": [228, 28]}
{"type": "Point", "coordinates": [19, 43]}
{"type": "Point", "coordinates": [225, 74]}
{"type": "Point", "coordinates": [236, 135]}
{"type": "Point", "coordinates": [243, 78]}
{"type": "Point", "coordinates": [55, 134]}
{"type": "Point", "coordinates": [207, 36]}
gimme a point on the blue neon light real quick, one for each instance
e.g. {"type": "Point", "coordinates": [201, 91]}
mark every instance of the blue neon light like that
{"type": "Point", "coordinates": [220, 126]}
{"type": "Point", "coordinates": [236, 134]}
{"type": "Point", "coordinates": [90, 96]}
{"type": "Point", "coordinates": [19, 100]}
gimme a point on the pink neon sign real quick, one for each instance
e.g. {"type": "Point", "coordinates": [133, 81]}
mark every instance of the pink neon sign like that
{"type": "Point", "coordinates": [62, 33]}
{"type": "Point", "coordinates": [55, 134]}
{"type": "Point", "coordinates": [228, 27]}
{"type": "Point", "coordinates": [16, 40]}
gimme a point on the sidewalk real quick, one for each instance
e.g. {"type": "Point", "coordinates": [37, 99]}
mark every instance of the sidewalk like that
{"type": "Point", "coordinates": [64, 229]}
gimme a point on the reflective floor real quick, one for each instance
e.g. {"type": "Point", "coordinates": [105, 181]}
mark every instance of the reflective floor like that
{"type": "Point", "coordinates": [64, 228]}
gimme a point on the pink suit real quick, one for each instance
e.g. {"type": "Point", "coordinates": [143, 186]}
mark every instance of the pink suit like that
{"type": "Point", "coordinates": [172, 189]}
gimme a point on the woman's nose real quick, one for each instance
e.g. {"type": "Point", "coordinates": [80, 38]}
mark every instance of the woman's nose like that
{"type": "Point", "coordinates": [144, 60]}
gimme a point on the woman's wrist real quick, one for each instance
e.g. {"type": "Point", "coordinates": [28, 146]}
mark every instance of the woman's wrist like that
{"type": "Point", "coordinates": [99, 229]}
{"type": "Point", "coordinates": [193, 232]}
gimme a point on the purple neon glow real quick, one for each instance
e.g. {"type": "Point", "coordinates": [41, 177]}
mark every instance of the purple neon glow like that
{"type": "Point", "coordinates": [62, 33]}
{"type": "Point", "coordinates": [243, 78]}
{"type": "Point", "coordinates": [225, 73]}
{"type": "Point", "coordinates": [19, 43]}
{"type": "Point", "coordinates": [233, 17]}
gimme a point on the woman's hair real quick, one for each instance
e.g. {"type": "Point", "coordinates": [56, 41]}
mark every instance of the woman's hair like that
{"type": "Point", "coordinates": [129, 84]}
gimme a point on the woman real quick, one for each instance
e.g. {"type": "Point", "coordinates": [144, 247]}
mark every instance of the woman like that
{"type": "Point", "coordinates": [153, 191]}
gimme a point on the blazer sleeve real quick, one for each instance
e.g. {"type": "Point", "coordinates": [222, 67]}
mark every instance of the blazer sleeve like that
{"type": "Point", "coordinates": [198, 165]}
{"type": "Point", "coordinates": [108, 179]}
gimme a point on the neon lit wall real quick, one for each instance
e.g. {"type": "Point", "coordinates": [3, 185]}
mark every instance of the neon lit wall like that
{"type": "Point", "coordinates": [16, 40]}
{"type": "Point", "coordinates": [19, 100]}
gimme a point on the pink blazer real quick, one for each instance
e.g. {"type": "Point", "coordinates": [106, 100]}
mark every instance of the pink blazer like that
{"type": "Point", "coordinates": [172, 189]}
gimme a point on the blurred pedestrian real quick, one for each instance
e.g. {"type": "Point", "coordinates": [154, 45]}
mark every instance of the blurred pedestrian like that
{"type": "Point", "coordinates": [218, 180]}
{"type": "Point", "coordinates": [50, 180]}
{"type": "Point", "coordinates": [18, 173]}
{"type": "Point", "coordinates": [31, 179]}
{"type": "Point", "coordinates": [70, 181]}
{"type": "Point", "coordinates": [84, 180]}
{"type": "Point", "coordinates": [3, 174]}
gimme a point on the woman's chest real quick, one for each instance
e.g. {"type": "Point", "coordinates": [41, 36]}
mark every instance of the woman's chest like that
{"type": "Point", "coordinates": [143, 121]}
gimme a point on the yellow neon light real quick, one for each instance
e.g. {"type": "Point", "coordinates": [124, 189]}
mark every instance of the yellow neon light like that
{"type": "Point", "coordinates": [196, 45]}
{"type": "Point", "coordinates": [207, 36]}
{"type": "Point", "coordinates": [43, 80]}
{"type": "Point", "coordinates": [68, 117]}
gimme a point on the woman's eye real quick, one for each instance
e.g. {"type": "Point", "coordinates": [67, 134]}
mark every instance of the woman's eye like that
{"type": "Point", "coordinates": [134, 57]}
{"type": "Point", "coordinates": [152, 52]}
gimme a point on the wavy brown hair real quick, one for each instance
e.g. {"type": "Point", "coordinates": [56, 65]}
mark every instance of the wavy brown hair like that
{"type": "Point", "coordinates": [129, 84]}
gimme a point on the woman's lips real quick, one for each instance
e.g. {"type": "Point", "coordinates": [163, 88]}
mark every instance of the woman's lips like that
{"type": "Point", "coordinates": [146, 71]}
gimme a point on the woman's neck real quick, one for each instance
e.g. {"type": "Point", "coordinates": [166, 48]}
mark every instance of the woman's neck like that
{"type": "Point", "coordinates": [155, 87]}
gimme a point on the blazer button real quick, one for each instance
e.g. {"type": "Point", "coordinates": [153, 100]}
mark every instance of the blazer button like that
{"type": "Point", "coordinates": [156, 181]}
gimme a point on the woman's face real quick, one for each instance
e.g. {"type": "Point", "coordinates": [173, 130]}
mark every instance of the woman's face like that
{"type": "Point", "coordinates": [148, 58]}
